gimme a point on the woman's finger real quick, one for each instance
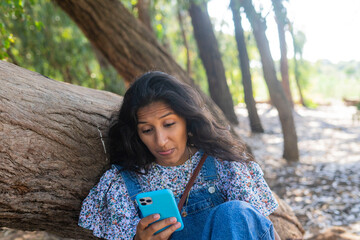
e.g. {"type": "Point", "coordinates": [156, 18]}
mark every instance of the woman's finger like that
{"type": "Point", "coordinates": [146, 221]}
{"type": "Point", "coordinates": [167, 232]}
{"type": "Point", "coordinates": [153, 228]}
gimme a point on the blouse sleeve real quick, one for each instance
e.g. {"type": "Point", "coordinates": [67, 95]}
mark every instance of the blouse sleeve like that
{"type": "Point", "coordinates": [245, 181]}
{"type": "Point", "coordinates": [108, 210]}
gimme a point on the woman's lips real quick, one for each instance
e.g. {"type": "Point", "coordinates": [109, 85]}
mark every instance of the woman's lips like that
{"type": "Point", "coordinates": [167, 152]}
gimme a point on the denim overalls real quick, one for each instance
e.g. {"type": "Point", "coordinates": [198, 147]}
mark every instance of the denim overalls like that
{"type": "Point", "coordinates": [201, 204]}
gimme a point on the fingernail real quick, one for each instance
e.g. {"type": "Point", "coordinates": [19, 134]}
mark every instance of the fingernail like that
{"type": "Point", "coordinates": [177, 225]}
{"type": "Point", "coordinates": [172, 220]}
{"type": "Point", "coordinates": [156, 216]}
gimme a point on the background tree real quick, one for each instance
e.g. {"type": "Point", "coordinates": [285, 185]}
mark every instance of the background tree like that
{"type": "Point", "coordinates": [255, 123]}
{"type": "Point", "coordinates": [184, 37]}
{"type": "Point", "coordinates": [277, 95]}
{"type": "Point", "coordinates": [211, 58]}
{"type": "Point", "coordinates": [282, 22]}
{"type": "Point", "coordinates": [298, 44]}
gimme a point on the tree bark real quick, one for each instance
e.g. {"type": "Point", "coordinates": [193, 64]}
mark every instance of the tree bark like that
{"type": "Point", "coordinates": [126, 43]}
{"type": "Point", "coordinates": [51, 151]}
{"type": "Point", "coordinates": [277, 95]}
{"type": "Point", "coordinates": [255, 123]}
{"type": "Point", "coordinates": [183, 34]}
{"type": "Point", "coordinates": [144, 13]}
{"type": "Point", "coordinates": [280, 15]}
{"type": "Point", "coordinates": [211, 59]}
{"type": "Point", "coordinates": [285, 222]}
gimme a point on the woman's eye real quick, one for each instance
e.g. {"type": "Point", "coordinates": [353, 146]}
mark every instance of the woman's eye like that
{"type": "Point", "coordinates": [146, 130]}
{"type": "Point", "coordinates": [169, 124]}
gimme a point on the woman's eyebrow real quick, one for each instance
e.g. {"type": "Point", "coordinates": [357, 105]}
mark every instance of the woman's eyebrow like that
{"type": "Point", "coordinates": [165, 115]}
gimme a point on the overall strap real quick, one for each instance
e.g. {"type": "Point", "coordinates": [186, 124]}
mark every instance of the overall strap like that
{"type": "Point", "coordinates": [191, 181]}
{"type": "Point", "coordinates": [132, 183]}
{"type": "Point", "coordinates": [209, 170]}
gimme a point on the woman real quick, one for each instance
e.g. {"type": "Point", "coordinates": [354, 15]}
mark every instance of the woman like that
{"type": "Point", "coordinates": [162, 131]}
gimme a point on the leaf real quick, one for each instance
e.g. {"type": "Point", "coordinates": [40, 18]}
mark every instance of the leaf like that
{"type": "Point", "coordinates": [39, 25]}
{"type": "Point", "coordinates": [158, 17]}
{"type": "Point", "coordinates": [11, 38]}
{"type": "Point", "coordinates": [3, 55]}
{"type": "Point", "coordinates": [6, 43]}
{"type": "Point", "coordinates": [19, 3]}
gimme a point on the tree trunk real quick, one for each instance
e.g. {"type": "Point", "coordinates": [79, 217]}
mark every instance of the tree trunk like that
{"type": "Point", "coordinates": [144, 13]}
{"type": "Point", "coordinates": [126, 43]}
{"type": "Point", "coordinates": [211, 58]}
{"type": "Point", "coordinates": [280, 15]}
{"type": "Point", "coordinates": [296, 67]}
{"type": "Point", "coordinates": [277, 95]}
{"type": "Point", "coordinates": [183, 34]}
{"type": "Point", "coordinates": [285, 221]}
{"type": "Point", "coordinates": [123, 39]}
{"type": "Point", "coordinates": [255, 123]}
{"type": "Point", "coordinates": [51, 151]}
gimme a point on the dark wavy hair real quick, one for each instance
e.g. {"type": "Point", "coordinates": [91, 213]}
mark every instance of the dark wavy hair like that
{"type": "Point", "coordinates": [125, 146]}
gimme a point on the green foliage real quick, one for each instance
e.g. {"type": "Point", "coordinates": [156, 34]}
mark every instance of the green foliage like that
{"type": "Point", "coordinates": [10, 9]}
{"type": "Point", "coordinates": [42, 38]}
{"type": "Point", "coordinates": [335, 81]}
{"type": "Point", "coordinates": [39, 36]}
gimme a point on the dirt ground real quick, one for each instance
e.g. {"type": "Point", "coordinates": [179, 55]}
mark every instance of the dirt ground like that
{"type": "Point", "coordinates": [323, 188]}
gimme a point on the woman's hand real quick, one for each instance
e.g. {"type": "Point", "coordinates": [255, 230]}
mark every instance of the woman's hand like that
{"type": "Point", "coordinates": [145, 232]}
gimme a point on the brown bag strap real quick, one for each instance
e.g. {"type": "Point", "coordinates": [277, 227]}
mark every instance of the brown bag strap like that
{"type": "Point", "coordinates": [191, 182]}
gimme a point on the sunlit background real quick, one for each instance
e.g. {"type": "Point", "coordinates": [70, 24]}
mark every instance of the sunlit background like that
{"type": "Point", "coordinates": [331, 27]}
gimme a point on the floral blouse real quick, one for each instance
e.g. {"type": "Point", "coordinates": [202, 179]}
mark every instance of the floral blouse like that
{"type": "Point", "coordinates": [109, 212]}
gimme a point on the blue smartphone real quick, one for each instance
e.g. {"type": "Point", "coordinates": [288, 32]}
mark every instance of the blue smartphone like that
{"type": "Point", "coordinates": [161, 202]}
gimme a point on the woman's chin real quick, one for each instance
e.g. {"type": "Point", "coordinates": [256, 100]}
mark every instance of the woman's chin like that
{"type": "Point", "coordinates": [169, 162]}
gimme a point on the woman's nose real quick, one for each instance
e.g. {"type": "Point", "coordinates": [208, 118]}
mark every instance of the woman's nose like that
{"type": "Point", "coordinates": [161, 138]}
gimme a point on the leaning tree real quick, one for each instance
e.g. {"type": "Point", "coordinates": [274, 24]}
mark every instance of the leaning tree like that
{"type": "Point", "coordinates": [125, 42]}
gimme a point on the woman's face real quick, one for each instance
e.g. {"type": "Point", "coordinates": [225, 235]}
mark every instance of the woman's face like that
{"type": "Point", "coordinates": [164, 133]}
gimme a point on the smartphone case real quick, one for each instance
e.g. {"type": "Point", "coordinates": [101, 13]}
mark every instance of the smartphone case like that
{"type": "Point", "coordinates": [163, 203]}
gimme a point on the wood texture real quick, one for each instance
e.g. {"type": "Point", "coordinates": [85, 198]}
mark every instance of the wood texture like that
{"type": "Point", "coordinates": [285, 222]}
{"type": "Point", "coordinates": [50, 149]}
